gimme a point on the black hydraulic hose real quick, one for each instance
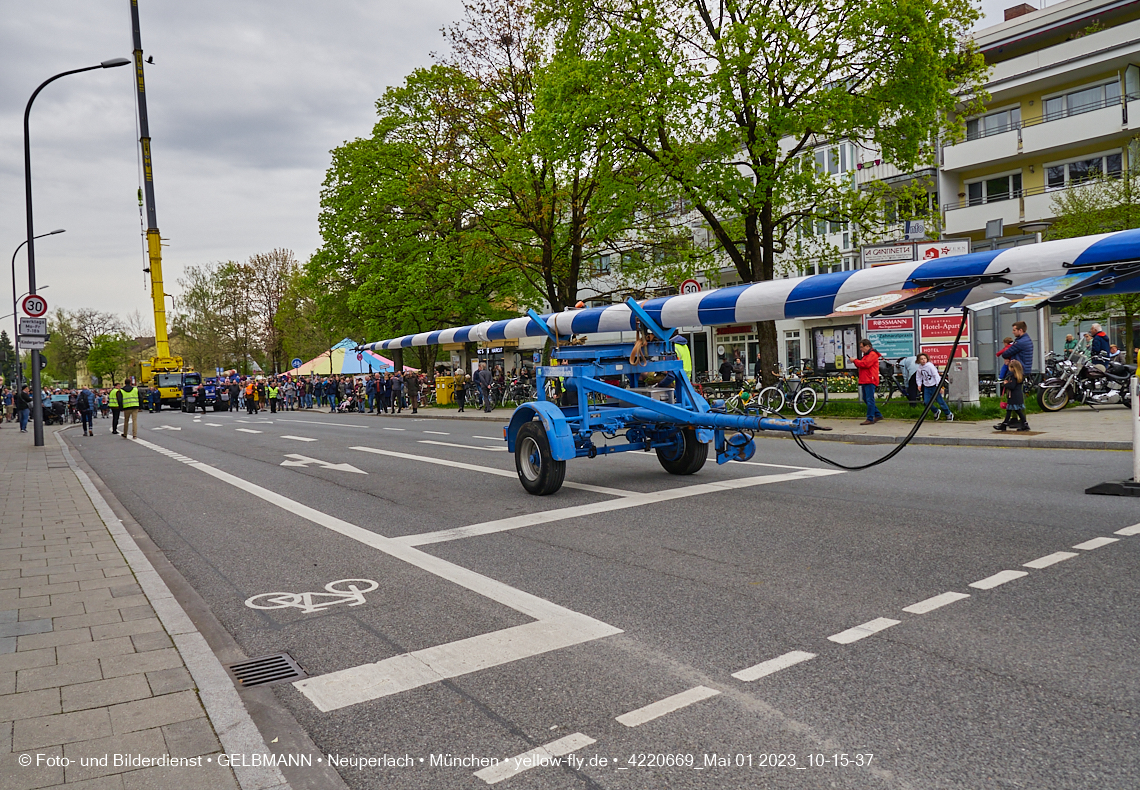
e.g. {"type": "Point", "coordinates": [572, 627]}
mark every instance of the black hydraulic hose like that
{"type": "Point", "coordinates": [913, 431]}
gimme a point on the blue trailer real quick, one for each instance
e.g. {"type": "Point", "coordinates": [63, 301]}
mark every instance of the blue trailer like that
{"type": "Point", "coordinates": [603, 418]}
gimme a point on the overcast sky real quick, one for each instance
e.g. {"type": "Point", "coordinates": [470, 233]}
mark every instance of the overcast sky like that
{"type": "Point", "coordinates": [245, 98]}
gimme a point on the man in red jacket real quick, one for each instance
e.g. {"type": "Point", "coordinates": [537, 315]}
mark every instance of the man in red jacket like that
{"type": "Point", "coordinates": [868, 365]}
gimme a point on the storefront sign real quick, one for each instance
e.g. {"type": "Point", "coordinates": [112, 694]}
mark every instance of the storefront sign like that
{"type": "Point", "coordinates": [892, 344]}
{"type": "Point", "coordinates": [892, 324]}
{"type": "Point", "coordinates": [942, 328]}
{"type": "Point", "coordinates": [940, 354]}
{"type": "Point", "coordinates": [929, 250]}
{"type": "Point", "coordinates": [887, 253]}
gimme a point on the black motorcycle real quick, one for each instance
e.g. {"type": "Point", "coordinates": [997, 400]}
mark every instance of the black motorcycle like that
{"type": "Point", "coordinates": [1095, 382]}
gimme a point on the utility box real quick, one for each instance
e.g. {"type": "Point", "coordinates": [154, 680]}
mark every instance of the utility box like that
{"type": "Point", "coordinates": [444, 390]}
{"type": "Point", "coordinates": [963, 387]}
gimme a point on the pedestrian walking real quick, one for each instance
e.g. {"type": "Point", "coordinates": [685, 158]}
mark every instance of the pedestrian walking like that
{"type": "Point", "coordinates": [738, 368]}
{"type": "Point", "coordinates": [1021, 348]}
{"type": "Point", "coordinates": [129, 404]}
{"type": "Point", "coordinates": [868, 366]}
{"type": "Point", "coordinates": [1014, 385]}
{"type": "Point", "coordinates": [85, 404]}
{"type": "Point", "coordinates": [928, 379]}
{"type": "Point", "coordinates": [116, 409]}
{"type": "Point", "coordinates": [483, 382]}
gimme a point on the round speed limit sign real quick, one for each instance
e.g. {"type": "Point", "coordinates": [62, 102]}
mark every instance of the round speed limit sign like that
{"type": "Point", "coordinates": [34, 305]}
{"type": "Point", "coordinates": [690, 287]}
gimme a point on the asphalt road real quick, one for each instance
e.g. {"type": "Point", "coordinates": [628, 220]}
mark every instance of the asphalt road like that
{"type": "Point", "coordinates": [501, 622]}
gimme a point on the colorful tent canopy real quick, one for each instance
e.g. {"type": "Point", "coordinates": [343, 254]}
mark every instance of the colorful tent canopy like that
{"type": "Point", "coordinates": [341, 358]}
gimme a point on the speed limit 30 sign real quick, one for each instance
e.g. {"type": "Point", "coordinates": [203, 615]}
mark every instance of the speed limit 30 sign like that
{"type": "Point", "coordinates": [690, 287]}
{"type": "Point", "coordinates": [34, 305]}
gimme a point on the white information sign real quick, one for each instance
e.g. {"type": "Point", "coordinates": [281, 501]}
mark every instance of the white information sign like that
{"type": "Point", "coordinates": [887, 253]}
{"type": "Point", "coordinates": [33, 326]}
{"type": "Point", "coordinates": [32, 343]}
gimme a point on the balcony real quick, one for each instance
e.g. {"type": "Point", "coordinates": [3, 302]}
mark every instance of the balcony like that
{"type": "Point", "coordinates": [983, 150]}
{"type": "Point", "coordinates": [964, 218]}
{"type": "Point", "coordinates": [1101, 121]}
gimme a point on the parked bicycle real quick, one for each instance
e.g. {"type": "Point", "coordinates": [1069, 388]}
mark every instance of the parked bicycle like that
{"type": "Point", "coordinates": [796, 388]}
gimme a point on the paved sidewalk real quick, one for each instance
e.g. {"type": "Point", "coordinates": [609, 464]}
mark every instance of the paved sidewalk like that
{"type": "Point", "coordinates": [1080, 428]}
{"type": "Point", "coordinates": [97, 659]}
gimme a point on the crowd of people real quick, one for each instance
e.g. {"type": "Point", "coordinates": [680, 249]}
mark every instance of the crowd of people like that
{"type": "Point", "coordinates": [377, 393]}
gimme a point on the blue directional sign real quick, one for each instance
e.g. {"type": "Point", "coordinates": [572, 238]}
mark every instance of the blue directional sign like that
{"type": "Point", "coordinates": [297, 362]}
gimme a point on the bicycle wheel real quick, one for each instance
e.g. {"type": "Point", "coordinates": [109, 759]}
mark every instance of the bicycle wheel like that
{"type": "Point", "coordinates": [805, 401]}
{"type": "Point", "coordinates": [770, 400]}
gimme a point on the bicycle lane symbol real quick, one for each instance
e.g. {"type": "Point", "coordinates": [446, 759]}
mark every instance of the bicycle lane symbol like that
{"type": "Point", "coordinates": [310, 602]}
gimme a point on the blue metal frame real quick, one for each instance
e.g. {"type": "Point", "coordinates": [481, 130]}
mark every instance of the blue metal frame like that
{"type": "Point", "coordinates": [647, 423]}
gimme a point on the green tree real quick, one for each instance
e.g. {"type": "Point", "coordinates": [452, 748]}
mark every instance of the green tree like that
{"type": "Point", "coordinates": [727, 101]}
{"type": "Point", "coordinates": [108, 356]}
{"type": "Point", "coordinates": [215, 317]}
{"type": "Point", "coordinates": [9, 361]}
{"type": "Point", "coordinates": [1102, 205]}
{"type": "Point", "coordinates": [72, 334]}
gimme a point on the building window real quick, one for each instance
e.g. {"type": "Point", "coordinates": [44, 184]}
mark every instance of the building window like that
{"type": "Point", "coordinates": [1068, 173]}
{"type": "Point", "coordinates": [1083, 100]}
{"type": "Point", "coordinates": [600, 264]}
{"type": "Point", "coordinates": [835, 159]}
{"type": "Point", "coordinates": [991, 190]}
{"type": "Point", "coordinates": [993, 123]}
{"type": "Point", "coordinates": [792, 348]}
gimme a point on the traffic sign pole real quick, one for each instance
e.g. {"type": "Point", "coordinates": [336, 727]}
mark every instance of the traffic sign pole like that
{"type": "Point", "coordinates": [35, 306]}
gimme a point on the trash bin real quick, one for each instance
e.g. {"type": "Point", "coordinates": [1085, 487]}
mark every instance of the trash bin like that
{"type": "Point", "coordinates": [444, 390]}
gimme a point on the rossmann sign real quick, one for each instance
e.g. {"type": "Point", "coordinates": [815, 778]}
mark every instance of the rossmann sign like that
{"type": "Point", "coordinates": [893, 324]}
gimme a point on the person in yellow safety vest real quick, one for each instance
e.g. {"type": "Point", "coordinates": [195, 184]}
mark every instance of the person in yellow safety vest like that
{"type": "Point", "coordinates": [681, 347]}
{"type": "Point", "coordinates": [114, 400]}
{"type": "Point", "coordinates": [128, 401]}
{"type": "Point", "coordinates": [272, 392]}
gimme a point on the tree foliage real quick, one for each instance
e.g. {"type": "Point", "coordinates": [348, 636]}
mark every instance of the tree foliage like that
{"type": "Point", "coordinates": [108, 358]}
{"type": "Point", "coordinates": [9, 360]}
{"type": "Point", "coordinates": [73, 333]}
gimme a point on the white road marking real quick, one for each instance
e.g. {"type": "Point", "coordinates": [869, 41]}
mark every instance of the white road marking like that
{"type": "Point", "coordinates": [1133, 530]}
{"type": "Point", "coordinates": [166, 428]}
{"type": "Point", "coordinates": [862, 631]}
{"type": "Point", "coordinates": [502, 449]}
{"type": "Point", "coordinates": [628, 501]}
{"type": "Point", "coordinates": [486, 470]}
{"type": "Point", "coordinates": [765, 668]}
{"type": "Point", "coordinates": [246, 430]}
{"type": "Point", "coordinates": [322, 422]}
{"type": "Point", "coordinates": [489, 438]}
{"type": "Point", "coordinates": [213, 424]}
{"type": "Point", "coordinates": [937, 602]}
{"type": "Point", "coordinates": [998, 578]}
{"type": "Point", "coordinates": [538, 756]}
{"type": "Point", "coordinates": [555, 627]}
{"type": "Point", "coordinates": [304, 460]}
{"type": "Point", "coordinates": [298, 438]}
{"type": "Point", "coordinates": [1049, 559]}
{"type": "Point", "coordinates": [395, 429]}
{"type": "Point", "coordinates": [656, 710]}
{"type": "Point", "coordinates": [439, 433]}
{"type": "Point", "coordinates": [1095, 543]}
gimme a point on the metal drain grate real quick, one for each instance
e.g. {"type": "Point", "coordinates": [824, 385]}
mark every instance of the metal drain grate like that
{"type": "Point", "coordinates": [266, 670]}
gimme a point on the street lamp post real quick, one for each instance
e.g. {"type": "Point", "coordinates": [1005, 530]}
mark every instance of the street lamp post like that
{"type": "Point", "coordinates": [15, 315]}
{"type": "Point", "coordinates": [37, 398]}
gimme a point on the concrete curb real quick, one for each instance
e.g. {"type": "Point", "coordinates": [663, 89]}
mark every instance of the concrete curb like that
{"type": "Point", "coordinates": [227, 713]}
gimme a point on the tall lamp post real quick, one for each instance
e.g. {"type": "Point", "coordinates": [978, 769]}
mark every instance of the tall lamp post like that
{"type": "Point", "coordinates": [37, 398]}
{"type": "Point", "coordinates": [15, 314]}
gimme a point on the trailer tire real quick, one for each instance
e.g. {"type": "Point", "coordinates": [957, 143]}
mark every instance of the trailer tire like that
{"type": "Point", "coordinates": [689, 459]}
{"type": "Point", "coordinates": [538, 472]}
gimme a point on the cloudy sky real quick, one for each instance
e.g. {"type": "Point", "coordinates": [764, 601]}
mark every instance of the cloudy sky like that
{"type": "Point", "coordinates": [245, 99]}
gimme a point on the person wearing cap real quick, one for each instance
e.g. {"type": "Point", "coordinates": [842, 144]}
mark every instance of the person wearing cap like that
{"type": "Point", "coordinates": [681, 347]}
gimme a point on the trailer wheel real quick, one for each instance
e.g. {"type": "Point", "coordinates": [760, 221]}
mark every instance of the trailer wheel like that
{"type": "Point", "coordinates": [686, 457]}
{"type": "Point", "coordinates": [538, 472]}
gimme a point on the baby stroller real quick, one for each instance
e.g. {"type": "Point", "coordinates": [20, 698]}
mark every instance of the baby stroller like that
{"type": "Point", "coordinates": [348, 405]}
{"type": "Point", "coordinates": [55, 413]}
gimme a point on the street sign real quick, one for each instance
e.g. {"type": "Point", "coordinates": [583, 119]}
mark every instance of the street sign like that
{"type": "Point", "coordinates": [690, 287]}
{"type": "Point", "coordinates": [34, 305]}
{"type": "Point", "coordinates": [33, 326]}
{"type": "Point", "coordinates": [359, 357]}
{"type": "Point", "coordinates": [297, 362]}
{"type": "Point", "coordinates": [32, 343]}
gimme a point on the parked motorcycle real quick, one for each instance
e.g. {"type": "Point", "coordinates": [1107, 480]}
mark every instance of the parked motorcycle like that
{"type": "Point", "coordinates": [1096, 382]}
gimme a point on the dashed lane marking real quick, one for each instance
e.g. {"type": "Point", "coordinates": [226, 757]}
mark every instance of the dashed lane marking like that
{"type": "Point", "coordinates": [322, 422]}
{"type": "Point", "coordinates": [937, 602]}
{"type": "Point", "coordinates": [656, 710]}
{"type": "Point", "coordinates": [439, 433]}
{"type": "Point", "coordinates": [538, 756]}
{"type": "Point", "coordinates": [772, 665]}
{"type": "Point", "coordinates": [1001, 577]}
{"type": "Point", "coordinates": [246, 430]}
{"type": "Point", "coordinates": [298, 438]}
{"type": "Point", "coordinates": [489, 438]}
{"type": "Point", "coordinates": [394, 429]}
{"type": "Point", "coordinates": [213, 424]}
{"type": "Point", "coordinates": [1095, 543]}
{"type": "Point", "coordinates": [593, 508]}
{"type": "Point", "coordinates": [554, 626]}
{"type": "Point", "coordinates": [863, 631]}
{"type": "Point", "coordinates": [1050, 559]}
{"type": "Point", "coordinates": [486, 470]}
{"type": "Point", "coordinates": [1133, 530]}
{"type": "Point", "coordinates": [464, 446]}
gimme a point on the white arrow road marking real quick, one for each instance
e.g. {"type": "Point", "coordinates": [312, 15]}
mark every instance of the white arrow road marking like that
{"type": "Point", "coordinates": [304, 460]}
{"type": "Point", "coordinates": [166, 428]}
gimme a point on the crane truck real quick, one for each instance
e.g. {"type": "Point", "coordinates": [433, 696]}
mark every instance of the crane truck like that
{"type": "Point", "coordinates": [162, 371]}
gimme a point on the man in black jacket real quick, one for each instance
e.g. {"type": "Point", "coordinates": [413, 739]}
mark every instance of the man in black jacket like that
{"type": "Point", "coordinates": [23, 401]}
